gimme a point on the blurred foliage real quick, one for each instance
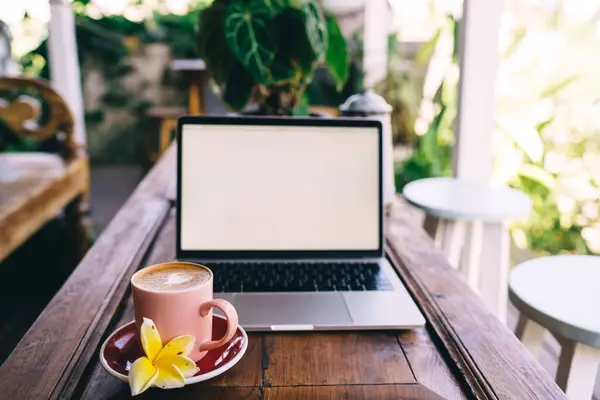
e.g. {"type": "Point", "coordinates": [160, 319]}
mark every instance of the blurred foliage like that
{"type": "Point", "coordinates": [432, 151]}
{"type": "Point", "coordinates": [547, 138]}
{"type": "Point", "coordinates": [112, 38]}
{"type": "Point", "coordinates": [323, 90]}
{"type": "Point", "coordinates": [266, 52]}
{"type": "Point", "coordinates": [106, 44]}
{"type": "Point", "coordinates": [401, 88]}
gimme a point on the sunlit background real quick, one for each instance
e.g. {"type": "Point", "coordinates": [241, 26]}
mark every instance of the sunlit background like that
{"type": "Point", "coordinates": [547, 140]}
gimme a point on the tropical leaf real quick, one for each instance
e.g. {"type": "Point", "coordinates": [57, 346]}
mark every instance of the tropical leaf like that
{"type": "Point", "coordinates": [538, 174]}
{"type": "Point", "coordinates": [295, 55]}
{"type": "Point", "coordinates": [276, 6]}
{"type": "Point", "coordinates": [316, 28]}
{"type": "Point", "coordinates": [556, 87]}
{"type": "Point", "coordinates": [456, 36]}
{"type": "Point", "coordinates": [212, 44]}
{"type": "Point", "coordinates": [337, 58]}
{"type": "Point", "coordinates": [251, 34]}
{"type": "Point", "coordinates": [526, 138]}
{"type": "Point", "coordinates": [426, 50]}
{"type": "Point", "coordinates": [542, 125]}
{"type": "Point", "coordinates": [238, 88]}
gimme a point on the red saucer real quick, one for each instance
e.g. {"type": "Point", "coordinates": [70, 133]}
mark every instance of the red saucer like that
{"type": "Point", "coordinates": [123, 347]}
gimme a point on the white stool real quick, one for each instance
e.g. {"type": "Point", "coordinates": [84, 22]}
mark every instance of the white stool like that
{"type": "Point", "coordinates": [562, 294]}
{"type": "Point", "coordinates": [456, 212]}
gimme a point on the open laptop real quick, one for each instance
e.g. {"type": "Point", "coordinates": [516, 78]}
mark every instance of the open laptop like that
{"type": "Point", "coordinates": [287, 212]}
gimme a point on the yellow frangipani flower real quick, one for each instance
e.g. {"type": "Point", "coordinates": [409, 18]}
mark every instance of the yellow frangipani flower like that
{"type": "Point", "coordinates": [165, 367]}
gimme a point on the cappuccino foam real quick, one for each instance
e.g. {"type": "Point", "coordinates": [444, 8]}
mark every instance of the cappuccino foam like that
{"type": "Point", "coordinates": [172, 278]}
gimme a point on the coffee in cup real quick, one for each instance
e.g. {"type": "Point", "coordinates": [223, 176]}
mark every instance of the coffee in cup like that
{"type": "Point", "coordinates": [171, 278]}
{"type": "Point", "coordinates": [178, 297]}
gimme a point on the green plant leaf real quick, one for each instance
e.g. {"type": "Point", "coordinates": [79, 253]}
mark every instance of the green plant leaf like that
{"type": "Point", "coordinates": [316, 28]}
{"type": "Point", "coordinates": [427, 49]}
{"type": "Point", "coordinates": [251, 34]}
{"type": "Point", "coordinates": [537, 174]}
{"type": "Point", "coordinates": [456, 37]}
{"type": "Point", "coordinates": [556, 87]}
{"type": "Point", "coordinates": [212, 44]}
{"type": "Point", "coordinates": [238, 88]}
{"type": "Point", "coordinates": [276, 6]}
{"type": "Point", "coordinates": [542, 125]}
{"type": "Point", "coordinates": [295, 56]}
{"type": "Point", "coordinates": [337, 58]}
{"type": "Point", "coordinates": [302, 106]}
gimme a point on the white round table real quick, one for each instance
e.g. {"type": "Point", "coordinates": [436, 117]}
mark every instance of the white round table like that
{"type": "Point", "coordinates": [562, 294]}
{"type": "Point", "coordinates": [456, 211]}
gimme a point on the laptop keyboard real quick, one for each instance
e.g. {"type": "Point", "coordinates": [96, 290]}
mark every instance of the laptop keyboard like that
{"type": "Point", "coordinates": [297, 277]}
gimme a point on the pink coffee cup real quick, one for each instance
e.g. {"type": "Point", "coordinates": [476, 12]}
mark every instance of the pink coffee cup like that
{"type": "Point", "coordinates": [184, 312]}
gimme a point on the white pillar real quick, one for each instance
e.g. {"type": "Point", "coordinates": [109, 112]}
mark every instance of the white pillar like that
{"type": "Point", "coordinates": [64, 63]}
{"type": "Point", "coordinates": [473, 152]}
{"type": "Point", "coordinates": [479, 57]}
{"type": "Point", "coordinates": [376, 28]}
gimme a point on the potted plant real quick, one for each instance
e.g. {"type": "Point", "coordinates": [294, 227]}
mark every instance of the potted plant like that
{"type": "Point", "coordinates": [267, 51]}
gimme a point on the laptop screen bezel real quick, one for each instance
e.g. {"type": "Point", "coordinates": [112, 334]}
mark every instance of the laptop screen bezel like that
{"type": "Point", "coordinates": [277, 254]}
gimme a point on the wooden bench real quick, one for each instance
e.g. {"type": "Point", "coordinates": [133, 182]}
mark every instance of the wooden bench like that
{"type": "Point", "coordinates": [37, 186]}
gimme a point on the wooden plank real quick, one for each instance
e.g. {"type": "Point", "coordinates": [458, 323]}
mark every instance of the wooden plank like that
{"type": "Point", "coordinates": [427, 364]}
{"type": "Point", "coordinates": [163, 249]}
{"type": "Point", "coordinates": [350, 392]}
{"type": "Point", "coordinates": [192, 392]}
{"type": "Point", "coordinates": [334, 359]}
{"type": "Point", "coordinates": [66, 334]}
{"type": "Point", "coordinates": [490, 359]}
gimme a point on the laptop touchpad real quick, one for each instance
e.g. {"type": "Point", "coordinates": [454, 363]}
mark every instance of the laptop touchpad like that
{"type": "Point", "coordinates": [265, 309]}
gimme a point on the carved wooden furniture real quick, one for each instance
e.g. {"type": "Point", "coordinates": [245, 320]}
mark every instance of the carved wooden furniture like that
{"type": "Point", "coordinates": [456, 212]}
{"type": "Point", "coordinates": [36, 186]}
{"type": "Point", "coordinates": [463, 352]}
{"type": "Point", "coordinates": [560, 294]}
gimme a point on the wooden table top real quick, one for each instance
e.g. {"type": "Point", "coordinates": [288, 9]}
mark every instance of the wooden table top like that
{"type": "Point", "coordinates": [463, 352]}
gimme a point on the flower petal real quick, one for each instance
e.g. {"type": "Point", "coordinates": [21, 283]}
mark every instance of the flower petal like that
{"type": "Point", "coordinates": [141, 375]}
{"type": "Point", "coordinates": [186, 365]}
{"type": "Point", "coordinates": [150, 339]}
{"type": "Point", "coordinates": [169, 377]}
{"type": "Point", "coordinates": [181, 346]}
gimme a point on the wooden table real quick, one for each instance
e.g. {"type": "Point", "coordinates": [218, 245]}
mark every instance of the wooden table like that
{"type": "Point", "coordinates": [464, 352]}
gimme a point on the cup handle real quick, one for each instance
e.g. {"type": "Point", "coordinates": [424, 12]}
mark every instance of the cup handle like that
{"type": "Point", "coordinates": [232, 322]}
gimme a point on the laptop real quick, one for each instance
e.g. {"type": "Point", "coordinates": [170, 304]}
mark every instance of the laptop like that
{"type": "Point", "coordinates": [287, 213]}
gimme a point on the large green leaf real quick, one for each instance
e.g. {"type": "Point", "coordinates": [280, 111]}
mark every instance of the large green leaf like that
{"type": "Point", "coordinates": [316, 28]}
{"type": "Point", "coordinates": [238, 88]}
{"type": "Point", "coordinates": [276, 5]}
{"type": "Point", "coordinates": [337, 58]}
{"type": "Point", "coordinates": [295, 56]}
{"type": "Point", "coordinates": [212, 44]}
{"type": "Point", "coordinates": [251, 34]}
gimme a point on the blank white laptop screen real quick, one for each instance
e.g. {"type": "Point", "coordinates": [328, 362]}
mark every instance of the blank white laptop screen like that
{"type": "Point", "coordinates": [279, 188]}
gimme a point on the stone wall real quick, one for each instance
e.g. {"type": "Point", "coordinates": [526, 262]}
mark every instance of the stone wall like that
{"type": "Point", "coordinates": [115, 107]}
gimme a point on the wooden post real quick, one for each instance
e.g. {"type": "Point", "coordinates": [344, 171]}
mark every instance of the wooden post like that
{"type": "Point", "coordinates": [64, 63]}
{"type": "Point", "coordinates": [473, 151]}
